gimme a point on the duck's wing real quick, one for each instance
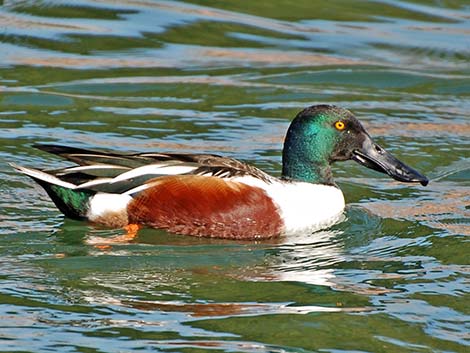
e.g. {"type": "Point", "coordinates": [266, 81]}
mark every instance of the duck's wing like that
{"type": "Point", "coordinates": [121, 173]}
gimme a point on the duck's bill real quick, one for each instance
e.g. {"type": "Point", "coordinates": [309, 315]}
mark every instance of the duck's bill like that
{"type": "Point", "coordinates": [375, 157]}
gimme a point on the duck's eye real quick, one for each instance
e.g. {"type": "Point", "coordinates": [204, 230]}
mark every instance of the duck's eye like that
{"type": "Point", "coordinates": [339, 125]}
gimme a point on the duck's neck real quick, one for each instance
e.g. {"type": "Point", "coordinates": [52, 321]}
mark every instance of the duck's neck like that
{"type": "Point", "coordinates": [300, 170]}
{"type": "Point", "coordinates": [304, 158]}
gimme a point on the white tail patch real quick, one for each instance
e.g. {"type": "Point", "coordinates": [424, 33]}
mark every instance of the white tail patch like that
{"type": "Point", "coordinates": [48, 178]}
{"type": "Point", "coordinates": [109, 209]}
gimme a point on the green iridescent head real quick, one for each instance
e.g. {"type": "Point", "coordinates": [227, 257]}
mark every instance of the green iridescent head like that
{"type": "Point", "coordinates": [322, 134]}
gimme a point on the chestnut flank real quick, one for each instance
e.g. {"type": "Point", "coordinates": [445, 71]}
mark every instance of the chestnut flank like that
{"type": "Point", "coordinates": [206, 206]}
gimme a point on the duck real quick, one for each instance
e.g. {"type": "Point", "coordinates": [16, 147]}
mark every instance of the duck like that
{"type": "Point", "coordinates": [208, 195]}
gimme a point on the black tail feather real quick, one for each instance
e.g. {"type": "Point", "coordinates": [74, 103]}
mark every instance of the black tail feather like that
{"type": "Point", "coordinates": [72, 203]}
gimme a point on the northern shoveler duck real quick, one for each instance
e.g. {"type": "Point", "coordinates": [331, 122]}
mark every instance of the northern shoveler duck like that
{"type": "Point", "coordinates": [213, 196]}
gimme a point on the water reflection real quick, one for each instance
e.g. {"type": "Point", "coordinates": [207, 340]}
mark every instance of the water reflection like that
{"type": "Point", "coordinates": [165, 288]}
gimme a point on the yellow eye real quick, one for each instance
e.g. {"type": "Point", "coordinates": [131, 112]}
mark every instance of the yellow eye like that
{"type": "Point", "coordinates": [339, 125]}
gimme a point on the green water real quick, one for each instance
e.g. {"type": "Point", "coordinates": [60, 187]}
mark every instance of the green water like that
{"type": "Point", "coordinates": [227, 77]}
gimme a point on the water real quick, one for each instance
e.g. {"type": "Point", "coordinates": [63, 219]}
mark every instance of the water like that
{"type": "Point", "coordinates": [207, 76]}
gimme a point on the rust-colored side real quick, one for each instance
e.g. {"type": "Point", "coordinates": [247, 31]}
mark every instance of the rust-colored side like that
{"type": "Point", "coordinates": [206, 207]}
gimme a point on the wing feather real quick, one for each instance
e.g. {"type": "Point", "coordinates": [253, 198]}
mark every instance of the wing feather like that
{"type": "Point", "coordinates": [118, 173]}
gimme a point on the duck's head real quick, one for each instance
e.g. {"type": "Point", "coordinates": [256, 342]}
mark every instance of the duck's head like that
{"type": "Point", "coordinates": [322, 134]}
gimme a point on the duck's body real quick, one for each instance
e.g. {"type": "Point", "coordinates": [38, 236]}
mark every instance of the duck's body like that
{"type": "Point", "coordinates": [214, 196]}
{"type": "Point", "coordinates": [200, 195]}
{"type": "Point", "coordinates": [239, 208]}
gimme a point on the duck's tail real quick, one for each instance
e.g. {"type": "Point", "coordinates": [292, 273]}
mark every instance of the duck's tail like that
{"type": "Point", "coordinates": [71, 201]}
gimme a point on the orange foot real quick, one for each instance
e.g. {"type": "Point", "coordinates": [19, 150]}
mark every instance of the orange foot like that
{"type": "Point", "coordinates": [131, 231]}
{"type": "Point", "coordinates": [107, 243]}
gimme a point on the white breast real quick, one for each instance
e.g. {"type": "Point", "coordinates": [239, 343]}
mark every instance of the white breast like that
{"type": "Point", "coordinates": [303, 206]}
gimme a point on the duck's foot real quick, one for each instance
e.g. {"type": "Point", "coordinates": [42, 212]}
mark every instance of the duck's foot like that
{"type": "Point", "coordinates": [103, 243]}
{"type": "Point", "coordinates": [131, 231]}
